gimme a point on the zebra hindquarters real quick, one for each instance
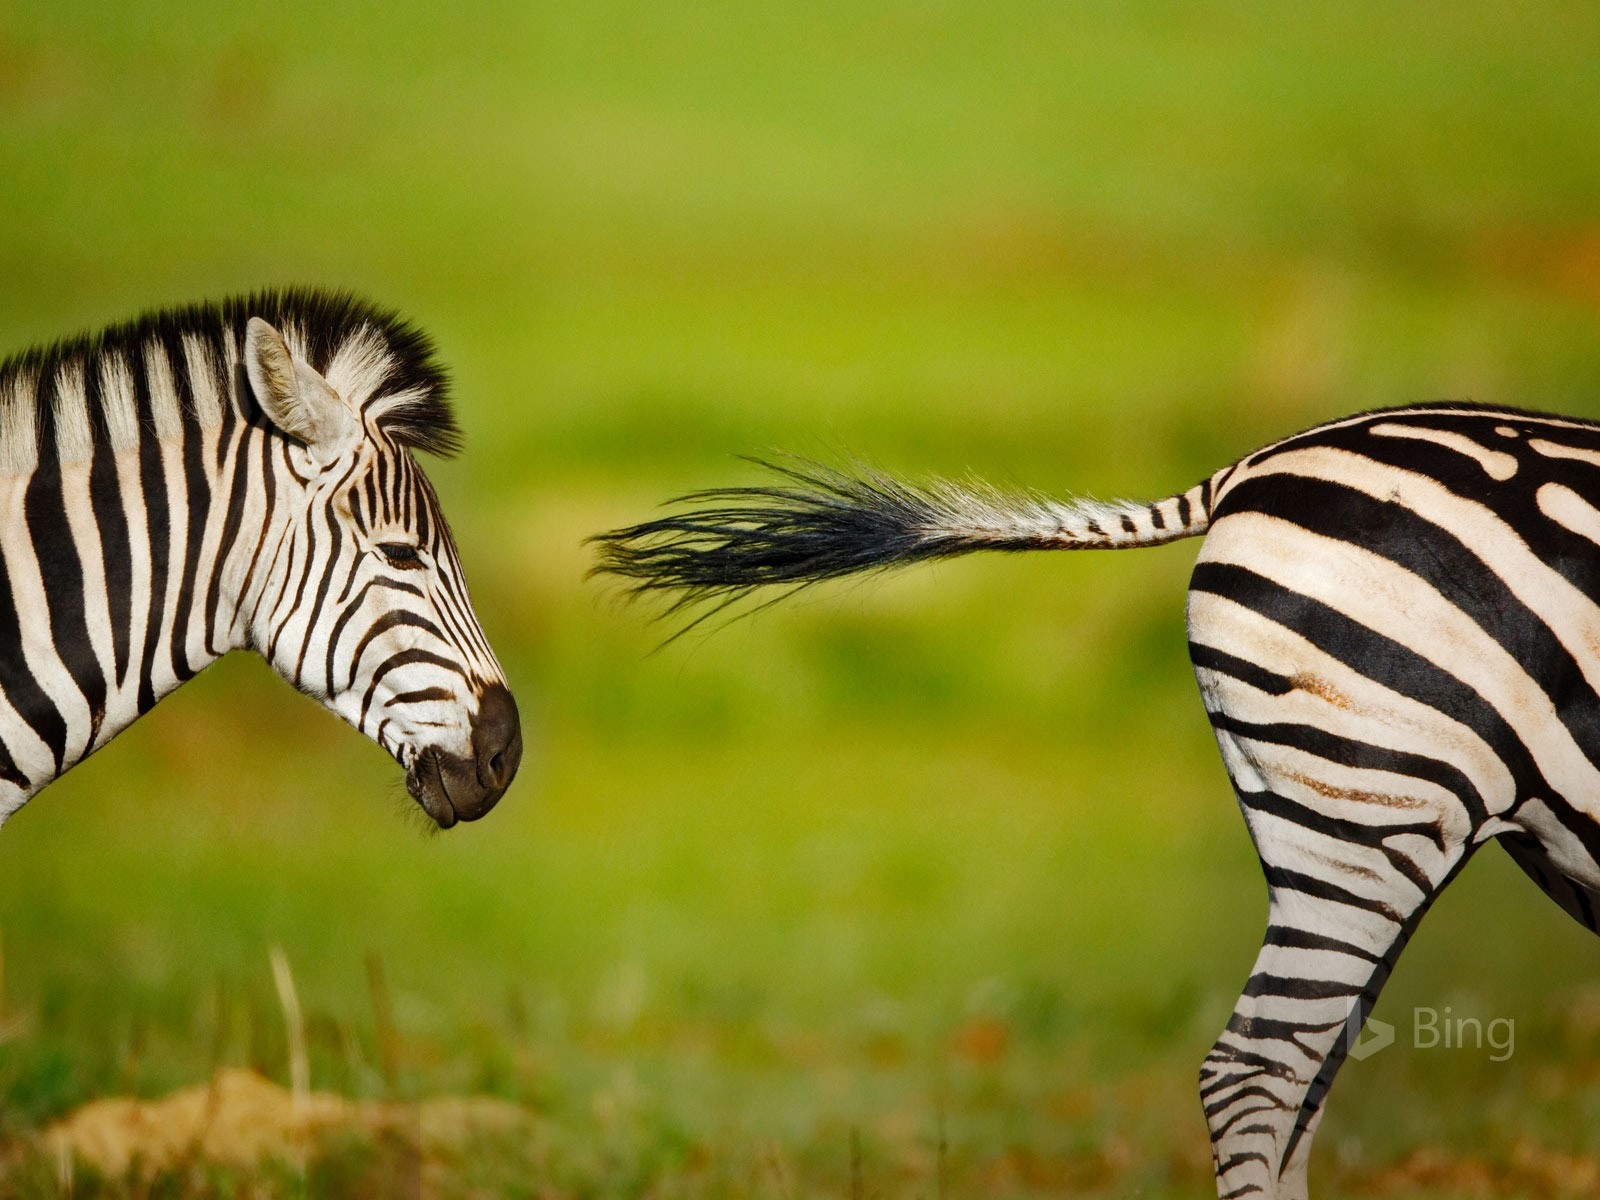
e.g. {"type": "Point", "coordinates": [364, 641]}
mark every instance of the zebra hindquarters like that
{"type": "Point", "coordinates": [1362, 799]}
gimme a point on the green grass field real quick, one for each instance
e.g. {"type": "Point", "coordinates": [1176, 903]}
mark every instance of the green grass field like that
{"type": "Point", "coordinates": [926, 887]}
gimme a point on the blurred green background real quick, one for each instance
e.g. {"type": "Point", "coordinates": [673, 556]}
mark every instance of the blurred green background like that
{"type": "Point", "coordinates": [926, 886]}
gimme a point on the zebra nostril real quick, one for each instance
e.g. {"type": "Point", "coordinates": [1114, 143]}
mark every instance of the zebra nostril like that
{"type": "Point", "coordinates": [497, 738]}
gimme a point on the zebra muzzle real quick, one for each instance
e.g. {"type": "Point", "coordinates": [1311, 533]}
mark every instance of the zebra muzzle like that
{"type": "Point", "coordinates": [454, 787]}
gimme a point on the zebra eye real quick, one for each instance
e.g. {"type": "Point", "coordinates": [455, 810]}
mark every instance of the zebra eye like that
{"type": "Point", "coordinates": [400, 554]}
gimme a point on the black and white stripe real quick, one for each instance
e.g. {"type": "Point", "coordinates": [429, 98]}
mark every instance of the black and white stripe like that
{"type": "Point", "coordinates": [1395, 625]}
{"type": "Point", "coordinates": [239, 475]}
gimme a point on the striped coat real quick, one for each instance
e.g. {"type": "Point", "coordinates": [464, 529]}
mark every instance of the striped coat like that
{"type": "Point", "coordinates": [229, 476]}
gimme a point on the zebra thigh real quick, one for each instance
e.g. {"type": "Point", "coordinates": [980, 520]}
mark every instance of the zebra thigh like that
{"type": "Point", "coordinates": [1360, 819]}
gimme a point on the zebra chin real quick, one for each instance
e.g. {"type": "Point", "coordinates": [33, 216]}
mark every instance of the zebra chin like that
{"type": "Point", "coordinates": [455, 787]}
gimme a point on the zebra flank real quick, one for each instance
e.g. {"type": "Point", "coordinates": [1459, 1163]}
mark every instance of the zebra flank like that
{"type": "Point", "coordinates": [239, 475]}
{"type": "Point", "coordinates": [1394, 621]}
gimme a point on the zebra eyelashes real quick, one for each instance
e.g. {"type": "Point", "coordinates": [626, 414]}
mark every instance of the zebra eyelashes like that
{"type": "Point", "coordinates": [402, 555]}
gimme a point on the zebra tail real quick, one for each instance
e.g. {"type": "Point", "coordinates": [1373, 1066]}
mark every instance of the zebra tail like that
{"type": "Point", "coordinates": [819, 522]}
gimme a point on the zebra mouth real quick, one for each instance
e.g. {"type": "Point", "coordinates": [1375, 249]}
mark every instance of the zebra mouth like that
{"type": "Point", "coordinates": [425, 782]}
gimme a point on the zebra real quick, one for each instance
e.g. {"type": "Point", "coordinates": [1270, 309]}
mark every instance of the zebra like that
{"type": "Point", "coordinates": [240, 475]}
{"type": "Point", "coordinates": [1394, 621]}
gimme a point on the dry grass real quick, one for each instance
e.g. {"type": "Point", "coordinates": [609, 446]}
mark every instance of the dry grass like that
{"type": "Point", "coordinates": [242, 1134]}
{"type": "Point", "coordinates": [1532, 1170]}
{"type": "Point", "coordinates": [241, 1127]}
{"type": "Point", "coordinates": [240, 1119]}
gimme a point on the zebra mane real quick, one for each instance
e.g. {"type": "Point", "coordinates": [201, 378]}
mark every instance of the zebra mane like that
{"type": "Point", "coordinates": [378, 361]}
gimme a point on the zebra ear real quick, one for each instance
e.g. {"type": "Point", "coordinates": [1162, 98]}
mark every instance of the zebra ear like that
{"type": "Point", "coordinates": [295, 398]}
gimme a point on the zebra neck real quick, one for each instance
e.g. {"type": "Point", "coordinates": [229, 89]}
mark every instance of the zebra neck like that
{"type": "Point", "coordinates": [79, 400]}
{"type": "Point", "coordinates": [119, 565]}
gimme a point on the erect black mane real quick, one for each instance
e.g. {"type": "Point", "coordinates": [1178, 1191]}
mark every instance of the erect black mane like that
{"type": "Point", "coordinates": [326, 319]}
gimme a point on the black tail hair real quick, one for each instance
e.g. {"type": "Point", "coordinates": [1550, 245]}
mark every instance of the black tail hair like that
{"type": "Point", "coordinates": [826, 523]}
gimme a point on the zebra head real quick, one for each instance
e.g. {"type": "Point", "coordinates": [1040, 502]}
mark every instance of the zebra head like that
{"type": "Point", "coordinates": [355, 594]}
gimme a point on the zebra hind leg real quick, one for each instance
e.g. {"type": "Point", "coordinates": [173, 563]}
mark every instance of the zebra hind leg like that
{"type": "Point", "coordinates": [1344, 897]}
